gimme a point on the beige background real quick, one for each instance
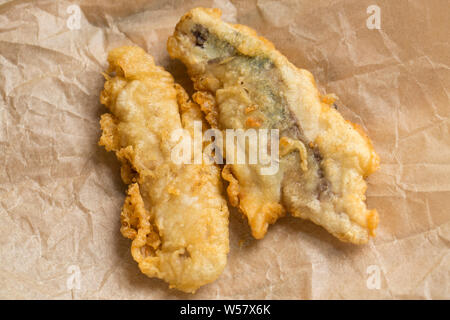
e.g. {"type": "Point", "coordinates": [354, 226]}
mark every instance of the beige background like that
{"type": "Point", "coordinates": [61, 194]}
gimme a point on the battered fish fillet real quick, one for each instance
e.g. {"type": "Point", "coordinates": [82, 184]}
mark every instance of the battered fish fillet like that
{"type": "Point", "coordinates": [243, 82]}
{"type": "Point", "coordinates": [176, 215]}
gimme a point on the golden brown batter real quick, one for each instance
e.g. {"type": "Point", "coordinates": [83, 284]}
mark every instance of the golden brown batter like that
{"type": "Point", "coordinates": [243, 82]}
{"type": "Point", "coordinates": [175, 214]}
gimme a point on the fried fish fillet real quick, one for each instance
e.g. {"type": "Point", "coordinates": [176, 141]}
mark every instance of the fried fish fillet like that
{"type": "Point", "coordinates": [243, 82]}
{"type": "Point", "coordinates": [175, 214]}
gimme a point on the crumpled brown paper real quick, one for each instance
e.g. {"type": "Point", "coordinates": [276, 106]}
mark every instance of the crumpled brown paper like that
{"type": "Point", "coordinates": [61, 194]}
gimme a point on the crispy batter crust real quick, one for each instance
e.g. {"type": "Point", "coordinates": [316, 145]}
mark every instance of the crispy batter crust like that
{"type": "Point", "coordinates": [175, 215]}
{"type": "Point", "coordinates": [243, 82]}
